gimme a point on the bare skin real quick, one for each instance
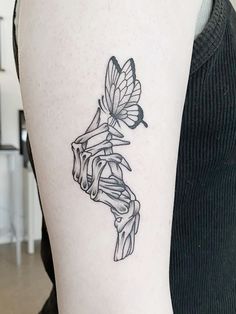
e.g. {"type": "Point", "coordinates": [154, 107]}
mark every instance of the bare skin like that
{"type": "Point", "coordinates": [64, 47]}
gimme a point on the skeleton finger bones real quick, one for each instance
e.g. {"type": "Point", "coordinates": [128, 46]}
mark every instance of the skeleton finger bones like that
{"type": "Point", "coordinates": [99, 172]}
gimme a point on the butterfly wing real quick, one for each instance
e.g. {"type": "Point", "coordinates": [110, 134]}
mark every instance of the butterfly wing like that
{"type": "Point", "coordinates": [112, 75]}
{"type": "Point", "coordinates": [119, 85]}
{"type": "Point", "coordinates": [124, 86]}
{"type": "Point", "coordinates": [129, 111]}
{"type": "Point", "coordinates": [122, 93]}
{"type": "Point", "coordinates": [132, 116]}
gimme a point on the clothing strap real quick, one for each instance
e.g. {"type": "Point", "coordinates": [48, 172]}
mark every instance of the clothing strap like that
{"type": "Point", "coordinates": [210, 38]}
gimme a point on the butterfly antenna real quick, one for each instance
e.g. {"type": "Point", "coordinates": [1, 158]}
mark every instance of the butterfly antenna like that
{"type": "Point", "coordinates": [144, 123]}
{"type": "Point", "coordinates": [100, 105]}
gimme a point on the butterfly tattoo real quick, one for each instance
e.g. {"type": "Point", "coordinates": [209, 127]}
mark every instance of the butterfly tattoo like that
{"type": "Point", "coordinates": [122, 94]}
{"type": "Point", "coordinates": [98, 167]}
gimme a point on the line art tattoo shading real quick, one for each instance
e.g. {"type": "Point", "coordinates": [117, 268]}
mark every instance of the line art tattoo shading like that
{"type": "Point", "coordinates": [97, 168]}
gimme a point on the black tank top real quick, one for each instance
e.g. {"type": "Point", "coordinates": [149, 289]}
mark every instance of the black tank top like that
{"type": "Point", "coordinates": [203, 245]}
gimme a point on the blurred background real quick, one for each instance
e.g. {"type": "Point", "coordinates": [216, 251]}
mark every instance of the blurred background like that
{"type": "Point", "coordinates": [24, 286]}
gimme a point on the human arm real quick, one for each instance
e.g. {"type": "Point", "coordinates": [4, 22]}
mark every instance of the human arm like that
{"type": "Point", "coordinates": [64, 49]}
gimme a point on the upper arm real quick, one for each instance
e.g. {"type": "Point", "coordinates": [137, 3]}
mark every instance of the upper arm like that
{"type": "Point", "coordinates": [64, 50]}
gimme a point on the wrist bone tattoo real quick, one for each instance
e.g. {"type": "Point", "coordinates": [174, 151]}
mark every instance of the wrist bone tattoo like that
{"type": "Point", "coordinates": [97, 168]}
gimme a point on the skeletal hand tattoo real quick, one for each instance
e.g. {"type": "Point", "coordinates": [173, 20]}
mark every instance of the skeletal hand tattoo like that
{"type": "Point", "coordinates": [97, 168]}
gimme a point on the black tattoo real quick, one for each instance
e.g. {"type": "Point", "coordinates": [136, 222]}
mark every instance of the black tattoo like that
{"type": "Point", "coordinates": [97, 168]}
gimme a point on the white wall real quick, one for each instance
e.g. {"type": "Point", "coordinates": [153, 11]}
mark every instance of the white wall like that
{"type": "Point", "coordinates": [10, 91]}
{"type": "Point", "coordinates": [10, 103]}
